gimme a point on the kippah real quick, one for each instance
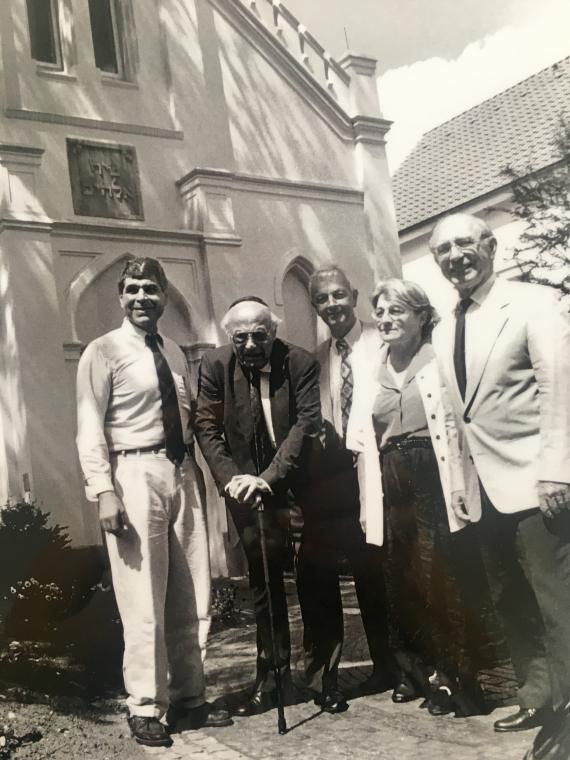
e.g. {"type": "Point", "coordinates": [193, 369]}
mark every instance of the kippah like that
{"type": "Point", "coordinates": [256, 299]}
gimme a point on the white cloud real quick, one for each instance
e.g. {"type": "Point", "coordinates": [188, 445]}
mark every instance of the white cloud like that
{"type": "Point", "coordinates": [424, 94]}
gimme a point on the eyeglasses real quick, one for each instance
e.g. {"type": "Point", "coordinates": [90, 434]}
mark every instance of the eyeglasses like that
{"type": "Point", "coordinates": [257, 336]}
{"type": "Point", "coordinates": [461, 242]}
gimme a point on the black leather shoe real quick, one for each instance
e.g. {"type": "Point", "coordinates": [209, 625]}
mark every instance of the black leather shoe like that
{"type": "Point", "coordinates": [525, 718]}
{"type": "Point", "coordinates": [440, 702]}
{"type": "Point", "coordinates": [260, 702]}
{"type": "Point", "coordinates": [334, 702]}
{"type": "Point", "coordinates": [204, 716]}
{"type": "Point", "coordinates": [405, 691]}
{"type": "Point", "coordinates": [149, 731]}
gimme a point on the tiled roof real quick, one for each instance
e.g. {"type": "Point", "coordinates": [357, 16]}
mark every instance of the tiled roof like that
{"type": "Point", "coordinates": [460, 160]}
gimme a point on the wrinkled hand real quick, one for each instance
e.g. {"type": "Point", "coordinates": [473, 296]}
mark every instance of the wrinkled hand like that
{"type": "Point", "coordinates": [245, 488]}
{"type": "Point", "coordinates": [112, 513]}
{"type": "Point", "coordinates": [553, 498]}
{"type": "Point", "coordinates": [459, 506]}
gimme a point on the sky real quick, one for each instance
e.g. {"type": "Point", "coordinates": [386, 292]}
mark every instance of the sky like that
{"type": "Point", "coordinates": [436, 58]}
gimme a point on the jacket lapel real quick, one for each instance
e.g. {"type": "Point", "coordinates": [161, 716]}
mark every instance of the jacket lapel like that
{"type": "Point", "coordinates": [490, 323]}
{"type": "Point", "coordinates": [443, 341]}
{"type": "Point", "coordinates": [322, 355]}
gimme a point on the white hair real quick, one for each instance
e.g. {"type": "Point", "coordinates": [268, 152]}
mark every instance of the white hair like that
{"type": "Point", "coordinates": [226, 321]}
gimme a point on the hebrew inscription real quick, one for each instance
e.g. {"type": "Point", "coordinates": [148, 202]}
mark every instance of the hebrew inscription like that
{"type": "Point", "coordinates": [104, 179]}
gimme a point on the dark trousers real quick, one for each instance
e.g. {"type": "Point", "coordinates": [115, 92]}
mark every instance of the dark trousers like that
{"type": "Point", "coordinates": [276, 523]}
{"type": "Point", "coordinates": [331, 533]}
{"type": "Point", "coordinates": [430, 606]}
{"type": "Point", "coordinates": [527, 559]}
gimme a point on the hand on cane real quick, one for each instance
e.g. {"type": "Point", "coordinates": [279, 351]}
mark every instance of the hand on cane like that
{"type": "Point", "coordinates": [247, 489]}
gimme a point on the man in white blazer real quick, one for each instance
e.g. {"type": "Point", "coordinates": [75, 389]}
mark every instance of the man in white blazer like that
{"type": "Point", "coordinates": [505, 356]}
{"type": "Point", "coordinates": [331, 505]}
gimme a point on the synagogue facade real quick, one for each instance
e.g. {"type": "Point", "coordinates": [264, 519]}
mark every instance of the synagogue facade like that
{"type": "Point", "coordinates": [216, 135]}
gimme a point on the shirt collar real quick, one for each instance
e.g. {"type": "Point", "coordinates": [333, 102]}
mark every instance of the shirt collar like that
{"type": "Point", "coordinates": [351, 337]}
{"type": "Point", "coordinates": [423, 356]}
{"type": "Point", "coordinates": [128, 327]}
{"type": "Point", "coordinates": [480, 294]}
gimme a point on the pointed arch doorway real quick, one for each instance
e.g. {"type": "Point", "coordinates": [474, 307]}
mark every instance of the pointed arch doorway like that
{"type": "Point", "coordinates": [300, 320]}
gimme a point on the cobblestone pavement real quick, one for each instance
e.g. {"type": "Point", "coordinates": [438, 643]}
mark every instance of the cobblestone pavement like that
{"type": "Point", "coordinates": [373, 727]}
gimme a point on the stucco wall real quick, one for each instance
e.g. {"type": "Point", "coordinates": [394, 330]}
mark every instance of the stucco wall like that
{"type": "Point", "coordinates": [300, 181]}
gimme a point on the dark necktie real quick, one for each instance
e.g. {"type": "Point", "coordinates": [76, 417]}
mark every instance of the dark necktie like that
{"type": "Point", "coordinates": [173, 437]}
{"type": "Point", "coordinates": [346, 382]}
{"type": "Point", "coordinates": [459, 347]}
{"type": "Point", "coordinates": [262, 447]}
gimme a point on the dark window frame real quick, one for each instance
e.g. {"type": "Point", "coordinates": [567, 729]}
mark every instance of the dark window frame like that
{"type": "Point", "coordinates": [46, 51]}
{"type": "Point", "coordinates": [108, 37]}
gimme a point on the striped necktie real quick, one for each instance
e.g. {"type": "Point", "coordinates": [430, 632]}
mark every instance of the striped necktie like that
{"type": "Point", "coordinates": [346, 382]}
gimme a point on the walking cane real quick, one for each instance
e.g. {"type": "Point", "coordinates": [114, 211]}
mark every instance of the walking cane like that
{"type": "Point", "coordinates": [281, 724]}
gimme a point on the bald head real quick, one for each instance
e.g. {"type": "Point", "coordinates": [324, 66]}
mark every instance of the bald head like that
{"type": "Point", "coordinates": [251, 326]}
{"type": "Point", "coordinates": [465, 222]}
{"type": "Point", "coordinates": [464, 248]}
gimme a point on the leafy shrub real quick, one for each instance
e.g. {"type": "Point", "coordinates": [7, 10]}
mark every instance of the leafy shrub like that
{"type": "Point", "coordinates": [38, 583]}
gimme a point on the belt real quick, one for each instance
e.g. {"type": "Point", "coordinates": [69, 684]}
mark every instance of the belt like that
{"type": "Point", "coordinates": [156, 448]}
{"type": "Point", "coordinates": [404, 444]}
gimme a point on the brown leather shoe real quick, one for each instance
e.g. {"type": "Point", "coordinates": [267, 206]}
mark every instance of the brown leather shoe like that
{"type": "Point", "coordinates": [149, 731]}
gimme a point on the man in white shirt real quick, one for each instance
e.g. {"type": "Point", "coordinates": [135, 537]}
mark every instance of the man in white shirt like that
{"type": "Point", "coordinates": [505, 357]}
{"type": "Point", "coordinates": [135, 446]}
{"type": "Point", "coordinates": [331, 507]}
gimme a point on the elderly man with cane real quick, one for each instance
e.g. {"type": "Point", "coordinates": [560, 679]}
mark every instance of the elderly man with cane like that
{"type": "Point", "coordinates": [257, 420]}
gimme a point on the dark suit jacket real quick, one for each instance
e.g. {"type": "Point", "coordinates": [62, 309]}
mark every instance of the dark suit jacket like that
{"type": "Point", "coordinates": [223, 417]}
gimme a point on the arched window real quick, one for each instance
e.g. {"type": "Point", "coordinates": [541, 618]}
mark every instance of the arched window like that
{"type": "Point", "coordinates": [300, 322]}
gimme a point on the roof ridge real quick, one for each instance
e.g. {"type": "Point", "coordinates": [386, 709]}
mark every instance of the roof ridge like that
{"type": "Point", "coordinates": [493, 97]}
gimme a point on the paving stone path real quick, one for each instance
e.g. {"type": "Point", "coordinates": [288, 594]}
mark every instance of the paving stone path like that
{"type": "Point", "coordinates": [373, 727]}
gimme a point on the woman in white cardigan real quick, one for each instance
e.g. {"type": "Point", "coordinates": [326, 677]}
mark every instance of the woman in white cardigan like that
{"type": "Point", "coordinates": [414, 496]}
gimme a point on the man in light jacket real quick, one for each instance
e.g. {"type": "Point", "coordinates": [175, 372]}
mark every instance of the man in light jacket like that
{"type": "Point", "coordinates": [505, 357]}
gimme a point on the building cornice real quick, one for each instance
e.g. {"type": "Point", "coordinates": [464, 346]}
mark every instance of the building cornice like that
{"type": "Point", "coordinates": [370, 129]}
{"type": "Point", "coordinates": [16, 153]}
{"type": "Point", "coordinates": [88, 123]}
{"type": "Point", "coordinates": [118, 232]}
{"type": "Point", "coordinates": [236, 181]}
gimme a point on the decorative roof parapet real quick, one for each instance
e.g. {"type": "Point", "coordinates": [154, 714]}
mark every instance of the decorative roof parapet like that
{"type": "Point", "coordinates": [340, 93]}
{"type": "Point", "coordinates": [301, 44]}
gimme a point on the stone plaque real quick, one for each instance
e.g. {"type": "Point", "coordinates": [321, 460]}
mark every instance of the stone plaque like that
{"type": "Point", "coordinates": [104, 179]}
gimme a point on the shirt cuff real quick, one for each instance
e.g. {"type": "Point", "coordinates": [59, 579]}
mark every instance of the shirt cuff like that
{"type": "Point", "coordinates": [96, 485]}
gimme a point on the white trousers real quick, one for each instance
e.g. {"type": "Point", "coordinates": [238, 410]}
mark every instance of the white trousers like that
{"type": "Point", "coordinates": [161, 576]}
